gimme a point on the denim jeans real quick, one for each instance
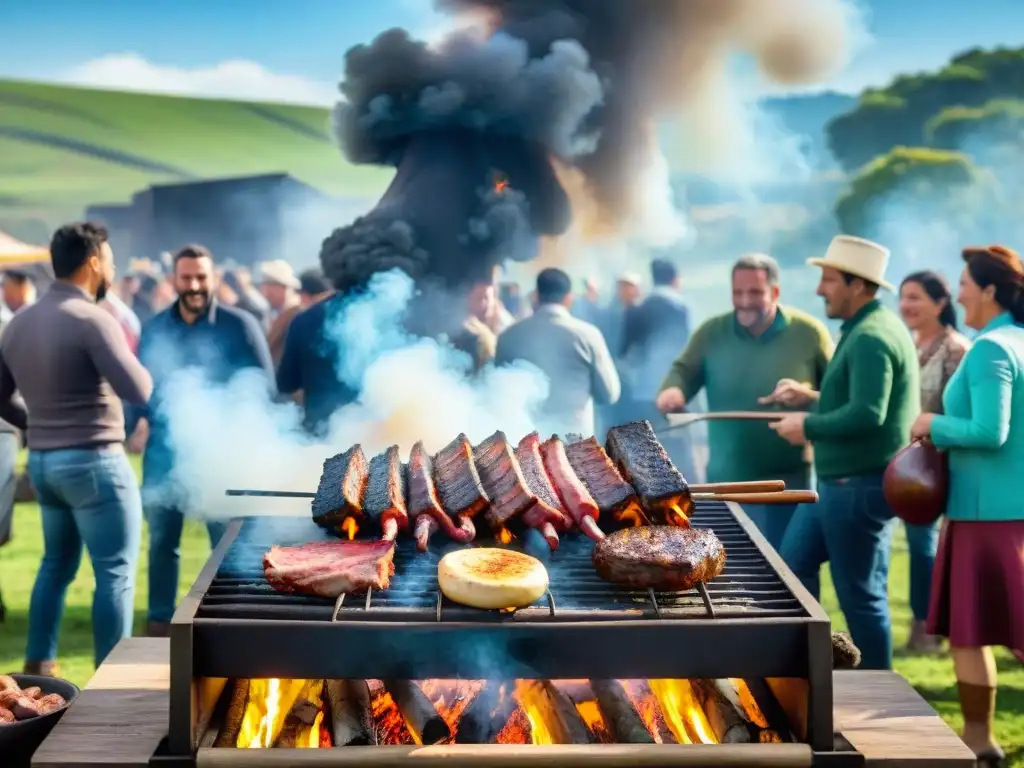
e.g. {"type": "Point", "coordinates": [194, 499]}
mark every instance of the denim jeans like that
{"type": "Point", "coordinates": [923, 543]}
{"type": "Point", "coordinates": [851, 528]}
{"type": "Point", "coordinates": [165, 526]}
{"type": "Point", "coordinates": [773, 519]}
{"type": "Point", "coordinates": [8, 482]}
{"type": "Point", "coordinates": [87, 496]}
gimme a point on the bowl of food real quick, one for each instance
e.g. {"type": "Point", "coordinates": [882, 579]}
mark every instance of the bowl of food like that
{"type": "Point", "coordinates": [30, 705]}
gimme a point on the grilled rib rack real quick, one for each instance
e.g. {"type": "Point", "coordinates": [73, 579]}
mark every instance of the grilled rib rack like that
{"type": "Point", "coordinates": [754, 621]}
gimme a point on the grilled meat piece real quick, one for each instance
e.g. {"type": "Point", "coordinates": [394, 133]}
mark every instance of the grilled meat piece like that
{"type": "Point", "coordinates": [424, 506]}
{"type": "Point", "coordinates": [458, 483]}
{"type": "Point", "coordinates": [661, 557]}
{"type": "Point", "coordinates": [384, 502]}
{"type": "Point", "coordinates": [575, 498]}
{"type": "Point", "coordinates": [547, 515]}
{"type": "Point", "coordinates": [340, 492]}
{"type": "Point", "coordinates": [503, 480]}
{"type": "Point", "coordinates": [613, 495]}
{"type": "Point", "coordinates": [330, 568]}
{"type": "Point", "coordinates": [643, 462]}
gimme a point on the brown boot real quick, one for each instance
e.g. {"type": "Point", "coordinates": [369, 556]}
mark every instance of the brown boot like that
{"type": "Point", "coordinates": [158, 629]}
{"type": "Point", "coordinates": [44, 668]}
{"type": "Point", "coordinates": [978, 704]}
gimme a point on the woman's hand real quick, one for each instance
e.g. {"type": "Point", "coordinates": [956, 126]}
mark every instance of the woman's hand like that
{"type": "Point", "coordinates": [922, 427]}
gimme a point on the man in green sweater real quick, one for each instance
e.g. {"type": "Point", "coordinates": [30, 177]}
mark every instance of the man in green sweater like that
{"type": "Point", "coordinates": [860, 419]}
{"type": "Point", "coordinates": [736, 358]}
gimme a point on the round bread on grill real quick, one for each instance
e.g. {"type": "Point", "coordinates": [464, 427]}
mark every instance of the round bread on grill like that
{"type": "Point", "coordinates": [661, 557]}
{"type": "Point", "coordinates": [492, 578]}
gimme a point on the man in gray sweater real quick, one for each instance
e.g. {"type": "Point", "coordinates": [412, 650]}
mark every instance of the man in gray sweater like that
{"type": "Point", "coordinates": [71, 362]}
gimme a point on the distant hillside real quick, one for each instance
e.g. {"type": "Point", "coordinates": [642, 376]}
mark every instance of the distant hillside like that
{"type": "Point", "coordinates": [64, 148]}
{"type": "Point", "coordinates": [810, 115]}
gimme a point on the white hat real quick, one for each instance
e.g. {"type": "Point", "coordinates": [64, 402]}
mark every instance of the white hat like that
{"type": "Point", "coordinates": [279, 272]}
{"type": "Point", "coordinates": [858, 257]}
{"type": "Point", "coordinates": [629, 278]}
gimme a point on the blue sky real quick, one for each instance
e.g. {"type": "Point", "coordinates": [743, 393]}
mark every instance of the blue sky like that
{"type": "Point", "coordinates": [296, 47]}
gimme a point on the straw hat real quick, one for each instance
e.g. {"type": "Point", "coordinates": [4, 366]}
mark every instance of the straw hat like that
{"type": "Point", "coordinates": [858, 257]}
{"type": "Point", "coordinates": [279, 272]}
{"type": "Point", "coordinates": [629, 278]}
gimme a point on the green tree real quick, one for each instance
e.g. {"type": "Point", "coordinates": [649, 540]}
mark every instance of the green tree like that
{"type": "Point", "coordinates": [998, 122]}
{"type": "Point", "coordinates": [924, 183]}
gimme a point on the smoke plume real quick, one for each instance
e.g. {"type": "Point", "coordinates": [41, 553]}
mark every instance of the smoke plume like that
{"type": "Point", "coordinates": [580, 83]}
{"type": "Point", "coordinates": [234, 436]}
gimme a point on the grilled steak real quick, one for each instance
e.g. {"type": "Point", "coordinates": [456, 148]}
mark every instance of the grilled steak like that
{"type": "Point", "coordinates": [613, 495]}
{"type": "Point", "coordinates": [643, 462]}
{"type": "Point", "coordinates": [329, 568]}
{"type": "Point", "coordinates": [548, 515]}
{"type": "Point", "coordinates": [384, 502]}
{"type": "Point", "coordinates": [424, 506]}
{"type": "Point", "coordinates": [503, 480]}
{"type": "Point", "coordinates": [661, 557]}
{"type": "Point", "coordinates": [340, 492]}
{"type": "Point", "coordinates": [575, 498]}
{"type": "Point", "coordinates": [458, 483]}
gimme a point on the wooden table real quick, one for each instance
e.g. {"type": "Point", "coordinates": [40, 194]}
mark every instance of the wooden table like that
{"type": "Point", "coordinates": [121, 716]}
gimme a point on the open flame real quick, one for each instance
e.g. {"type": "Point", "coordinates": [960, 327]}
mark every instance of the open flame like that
{"type": "Point", "coordinates": [500, 184]}
{"type": "Point", "coordinates": [295, 714]}
{"type": "Point", "coordinates": [350, 527]}
{"type": "Point", "coordinates": [503, 536]}
{"type": "Point", "coordinates": [676, 516]}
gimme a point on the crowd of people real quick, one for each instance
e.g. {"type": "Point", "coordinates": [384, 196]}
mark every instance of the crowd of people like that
{"type": "Point", "coordinates": [84, 372]}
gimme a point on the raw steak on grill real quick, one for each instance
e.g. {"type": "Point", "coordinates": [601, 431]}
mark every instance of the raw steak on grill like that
{"type": "Point", "coordinates": [329, 568]}
{"type": "Point", "coordinates": [643, 462]}
{"type": "Point", "coordinates": [340, 492]}
{"type": "Point", "coordinates": [613, 495]}
{"type": "Point", "coordinates": [384, 502]}
{"type": "Point", "coordinates": [665, 558]}
{"type": "Point", "coordinates": [503, 480]}
{"type": "Point", "coordinates": [575, 497]}
{"type": "Point", "coordinates": [424, 506]}
{"type": "Point", "coordinates": [458, 483]}
{"type": "Point", "coordinates": [548, 515]}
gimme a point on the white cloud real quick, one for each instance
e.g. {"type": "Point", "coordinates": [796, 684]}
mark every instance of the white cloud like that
{"type": "Point", "coordinates": [239, 79]}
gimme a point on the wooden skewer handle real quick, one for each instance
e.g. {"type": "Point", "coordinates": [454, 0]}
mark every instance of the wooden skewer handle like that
{"type": "Point", "coordinates": [777, 497]}
{"type": "Point", "coordinates": [753, 486]}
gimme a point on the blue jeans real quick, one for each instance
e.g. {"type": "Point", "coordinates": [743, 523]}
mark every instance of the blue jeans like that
{"type": "Point", "coordinates": [87, 496]}
{"type": "Point", "coordinates": [773, 519]}
{"type": "Point", "coordinates": [8, 482]}
{"type": "Point", "coordinates": [923, 543]}
{"type": "Point", "coordinates": [850, 528]}
{"type": "Point", "coordinates": [165, 525]}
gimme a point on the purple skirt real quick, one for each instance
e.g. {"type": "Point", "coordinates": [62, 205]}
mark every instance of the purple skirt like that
{"type": "Point", "coordinates": [978, 585]}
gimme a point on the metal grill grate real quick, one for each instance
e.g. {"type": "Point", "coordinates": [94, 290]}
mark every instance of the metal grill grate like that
{"type": "Point", "coordinates": [749, 587]}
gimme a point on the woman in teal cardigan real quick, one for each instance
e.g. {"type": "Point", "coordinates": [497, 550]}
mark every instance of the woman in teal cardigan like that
{"type": "Point", "coordinates": [978, 585]}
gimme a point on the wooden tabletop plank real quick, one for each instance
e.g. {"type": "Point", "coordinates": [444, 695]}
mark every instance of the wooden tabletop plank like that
{"type": "Point", "coordinates": [889, 723]}
{"type": "Point", "coordinates": [122, 715]}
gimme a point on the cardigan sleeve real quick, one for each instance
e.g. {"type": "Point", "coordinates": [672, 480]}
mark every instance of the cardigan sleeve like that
{"type": "Point", "coordinates": [989, 379]}
{"type": "Point", "coordinates": [871, 379]}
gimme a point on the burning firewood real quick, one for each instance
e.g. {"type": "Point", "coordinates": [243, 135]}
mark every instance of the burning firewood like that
{"type": "Point", "coordinates": [551, 710]}
{"type": "Point", "coordinates": [619, 712]}
{"type": "Point", "coordinates": [425, 725]}
{"type": "Point", "coordinates": [302, 724]}
{"type": "Point", "coordinates": [351, 714]}
{"type": "Point", "coordinates": [721, 704]}
{"type": "Point", "coordinates": [486, 714]}
{"type": "Point", "coordinates": [228, 736]}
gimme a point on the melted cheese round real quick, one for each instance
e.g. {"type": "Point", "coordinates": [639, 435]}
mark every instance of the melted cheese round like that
{"type": "Point", "coordinates": [492, 578]}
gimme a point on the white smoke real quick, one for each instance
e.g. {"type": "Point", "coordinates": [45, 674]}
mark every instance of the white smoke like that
{"type": "Point", "coordinates": [234, 436]}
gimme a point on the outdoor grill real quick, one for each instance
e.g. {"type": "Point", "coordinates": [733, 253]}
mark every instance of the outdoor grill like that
{"type": "Point", "coordinates": [755, 622]}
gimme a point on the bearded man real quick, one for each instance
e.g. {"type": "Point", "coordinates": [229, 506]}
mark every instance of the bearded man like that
{"type": "Point", "coordinates": [199, 333]}
{"type": "Point", "coordinates": [737, 357]}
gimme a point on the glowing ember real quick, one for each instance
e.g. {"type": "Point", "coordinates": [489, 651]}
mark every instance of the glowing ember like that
{"type": "Point", "coordinates": [504, 536]}
{"type": "Point", "coordinates": [683, 714]}
{"type": "Point", "coordinates": [633, 515]}
{"type": "Point", "coordinates": [500, 184]}
{"type": "Point", "coordinates": [350, 527]}
{"type": "Point", "coordinates": [591, 714]}
{"type": "Point", "coordinates": [676, 516]}
{"type": "Point", "coordinates": [749, 703]}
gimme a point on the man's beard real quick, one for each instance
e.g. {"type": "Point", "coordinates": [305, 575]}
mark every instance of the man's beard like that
{"type": "Point", "coordinates": [101, 290]}
{"type": "Point", "coordinates": [188, 305]}
{"type": "Point", "coordinates": [755, 316]}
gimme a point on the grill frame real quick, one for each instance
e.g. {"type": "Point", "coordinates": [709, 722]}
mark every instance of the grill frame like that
{"type": "Point", "coordinates": [528, 644]}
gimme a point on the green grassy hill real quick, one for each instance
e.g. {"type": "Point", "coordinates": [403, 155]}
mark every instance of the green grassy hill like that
{"type": "Point", "coordinates": [64, 148]}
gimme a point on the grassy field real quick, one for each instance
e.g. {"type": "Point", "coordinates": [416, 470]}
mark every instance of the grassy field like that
{"type": "Point", "coordinates": [931, 675]}
{"type": "Point", "coordinates": [64, 148]}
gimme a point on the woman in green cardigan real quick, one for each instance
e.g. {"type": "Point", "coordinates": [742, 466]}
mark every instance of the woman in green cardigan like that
{"type": "Point", "coordinates": [978, 586]}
